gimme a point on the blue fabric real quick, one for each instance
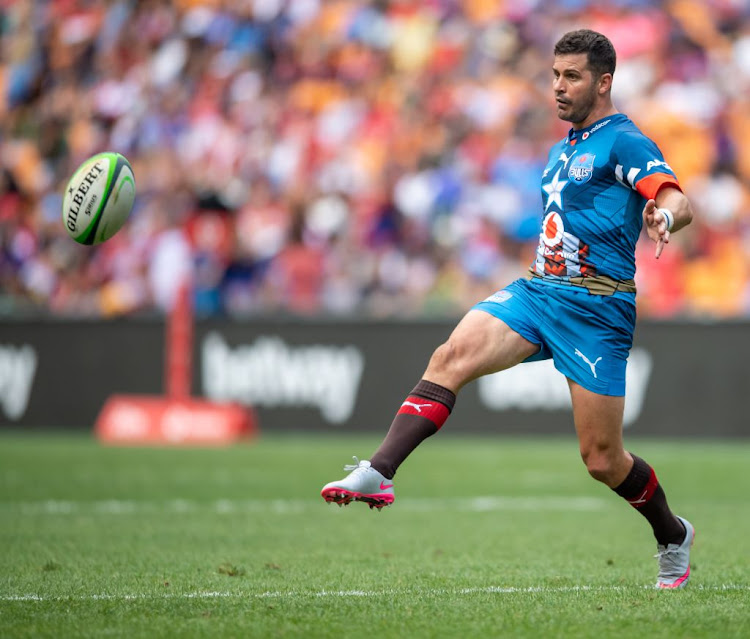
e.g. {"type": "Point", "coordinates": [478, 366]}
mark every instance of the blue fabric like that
{"type": "Point", "coordinates": [592, 211]}
{"type": "Point", "coordinates": [587, 336]}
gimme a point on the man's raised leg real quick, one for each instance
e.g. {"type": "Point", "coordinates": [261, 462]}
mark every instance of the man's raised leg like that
{"type": "Point", "coordinates": [479, 345]}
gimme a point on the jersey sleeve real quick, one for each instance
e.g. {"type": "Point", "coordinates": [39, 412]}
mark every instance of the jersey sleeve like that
{"type": "Point", "coordinates": [640, 165]}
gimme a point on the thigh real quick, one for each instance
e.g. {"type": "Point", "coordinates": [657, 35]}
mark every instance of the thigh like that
{"type": "Point", "coordinates": [480, 344]}
{"type": "Point", "coordinates": [598, 418]}
{"type": "Point", "coordinates": [521, 306]}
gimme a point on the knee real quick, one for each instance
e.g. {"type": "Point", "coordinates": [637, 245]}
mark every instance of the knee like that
{"type": "Point", "coordinates": [445, 357]}
{"type": "Point", "coordinates": [450, 361]}
{"type": "Point", "coordinates": [602, 462]}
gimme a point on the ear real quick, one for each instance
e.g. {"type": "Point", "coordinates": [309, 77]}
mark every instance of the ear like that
{"type": "Point", "coordinates": [605, 83]}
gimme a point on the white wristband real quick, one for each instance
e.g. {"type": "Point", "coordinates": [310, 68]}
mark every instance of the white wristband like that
{"type": "Point", "coordinates": [669, 218]}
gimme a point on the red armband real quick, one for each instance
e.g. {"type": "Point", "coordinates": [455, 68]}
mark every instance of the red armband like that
{"type": "Point", "coordinates": [649, 186]}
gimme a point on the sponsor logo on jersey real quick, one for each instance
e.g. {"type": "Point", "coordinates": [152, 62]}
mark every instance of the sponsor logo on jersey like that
{"type": "Point", "coordinates": [654, 163]}
{"type": "Point", "coordinates": [586, 135]}
{"type": "Point", "coordinates": [559, 253]}
{"type": "Point", "coordinates": [552, 229]}
{"type": "Point", "coordinates": [597, 127]}
{"type": "Point", "coordinates": [565, 158]}
{"type": "Point", "coordinates": [582, 168]}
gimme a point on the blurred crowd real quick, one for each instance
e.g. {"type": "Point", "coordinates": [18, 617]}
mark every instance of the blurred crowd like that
{"type": "Point", "coordinates": [341, 157]}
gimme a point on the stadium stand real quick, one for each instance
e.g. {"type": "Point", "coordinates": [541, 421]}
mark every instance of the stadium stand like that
{"type": "Point", "coordinates": [338, 157]}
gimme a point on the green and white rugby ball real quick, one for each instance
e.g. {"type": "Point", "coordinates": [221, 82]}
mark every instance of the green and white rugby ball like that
{"type": "Point", "coordinates": [98, 198]}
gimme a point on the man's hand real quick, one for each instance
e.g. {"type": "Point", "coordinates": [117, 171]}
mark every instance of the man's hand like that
{"type": "Point", "coordinates": [656, 226]}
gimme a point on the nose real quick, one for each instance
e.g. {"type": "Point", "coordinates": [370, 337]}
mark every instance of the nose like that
{"type": "Point", "coordinates": [558, 85]}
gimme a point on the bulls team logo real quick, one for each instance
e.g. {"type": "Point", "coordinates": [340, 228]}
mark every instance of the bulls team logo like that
{"type": "Point", "coordinates": [582, 168]}
{"type": "Point", "coordinates": [552, 229]}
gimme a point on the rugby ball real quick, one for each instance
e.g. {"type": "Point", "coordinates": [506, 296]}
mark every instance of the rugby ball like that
{"type": "Point", "coordinates": [98, 198]}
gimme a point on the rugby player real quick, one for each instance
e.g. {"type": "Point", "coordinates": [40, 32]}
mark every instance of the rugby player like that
{"type": "Point", "coordinates": [603, 182]}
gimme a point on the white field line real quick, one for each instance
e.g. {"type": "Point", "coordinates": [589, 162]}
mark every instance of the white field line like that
{"type": "Point", "coordinates": [296, 506]}
{"type": "Point", "coordinates": [375, 594]}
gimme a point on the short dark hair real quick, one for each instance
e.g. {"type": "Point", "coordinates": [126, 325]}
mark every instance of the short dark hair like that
{"type": "Point", "coordinates": [597, 47]}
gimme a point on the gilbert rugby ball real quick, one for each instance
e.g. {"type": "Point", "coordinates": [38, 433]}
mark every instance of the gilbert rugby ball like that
{"type": "Point", "coordinates": [98, 198]}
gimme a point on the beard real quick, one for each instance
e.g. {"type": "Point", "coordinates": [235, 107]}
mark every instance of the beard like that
{"type": "Point", "coordinates": [581, 109]}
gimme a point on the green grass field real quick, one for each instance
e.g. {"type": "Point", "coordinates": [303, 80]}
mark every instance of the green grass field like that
{"type": "Point", "coordinates": [488, 537]}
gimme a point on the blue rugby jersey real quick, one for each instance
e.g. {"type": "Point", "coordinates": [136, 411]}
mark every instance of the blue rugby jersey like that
{"type": "Point", "coordinates": [594, 188]}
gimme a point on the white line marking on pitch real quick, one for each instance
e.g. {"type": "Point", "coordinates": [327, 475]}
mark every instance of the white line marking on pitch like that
{"type": "Point", "coordinates": [435, 592]}
{"type": "Point", "coordinates": [295, 506]}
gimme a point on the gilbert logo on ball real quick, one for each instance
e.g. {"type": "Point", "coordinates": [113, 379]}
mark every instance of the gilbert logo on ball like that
{"type": "Point", "coordinates": [98, 198]}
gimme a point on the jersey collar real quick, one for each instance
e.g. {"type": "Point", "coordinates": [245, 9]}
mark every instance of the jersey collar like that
{"type": "Point", "coordinates": [576, 135]}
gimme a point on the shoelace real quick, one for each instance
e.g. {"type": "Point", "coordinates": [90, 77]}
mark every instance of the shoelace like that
{"type": "Point", "coordinates": [669, 562]}
{"type": "Point", "coordinates": [355, 466]}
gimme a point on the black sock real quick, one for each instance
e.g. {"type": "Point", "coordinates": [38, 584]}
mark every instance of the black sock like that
{"type": "Point", "coordinates": [641, 489]}
{"type": "Point", "coordinates": [422, 414]}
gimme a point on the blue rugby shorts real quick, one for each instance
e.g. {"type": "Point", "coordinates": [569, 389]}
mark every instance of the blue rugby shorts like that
{"type": "Point", "coordinates": [588, 337]}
